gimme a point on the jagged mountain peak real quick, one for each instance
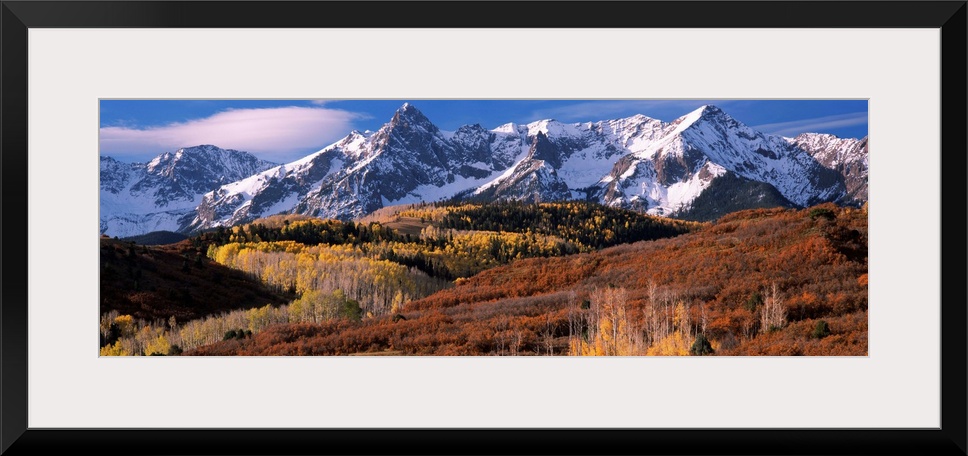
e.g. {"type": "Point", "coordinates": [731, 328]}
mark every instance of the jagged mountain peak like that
{"type": "Point", "coordinates": [827, 136]}
{"type": "Point", "coordinates": [199, 152]}
{"type": "Point", "coordinates": [713, 129]}
{"type": "Point", "coordinates": [475, 136]}
{"type": "Point", "coordinates": [354, 135]}
{"type": "Point", "coordinates": [473, 127]}
{"type": "Point", "coordinates": [408, 113]}
{"type": "Point", "coordinates": [509, 127]}
{"type": "Point", "coordinates": [814, 141]}
{"type": "Point", "coordinates": [553, 128]}
{"type": "Point", "coordinates": [707, 111]}
{"type": "Point", "coordinates": [634, 119]}
{"type": "Point", "coordinates": [824, 140]}
{"type": "Point", "coordinates": [207, 159]}
{"type": "Point", "coordinates": [202, 149]}
{"type": "Point", "coordinates": [704, 113]}
{"type": "Point", "coordinates": [710, 110]}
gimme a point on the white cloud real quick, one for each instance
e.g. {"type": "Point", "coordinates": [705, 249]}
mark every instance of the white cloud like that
{"type": "Point", "coordinates": [814, 125]}
{"type": "Point", "coordinates": [275, 134]}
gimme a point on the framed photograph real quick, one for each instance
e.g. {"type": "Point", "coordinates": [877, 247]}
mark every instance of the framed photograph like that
{"type": "Point", "coordinates": [136, 82]}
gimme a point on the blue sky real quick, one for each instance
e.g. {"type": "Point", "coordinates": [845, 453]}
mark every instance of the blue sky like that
{"type": "Point", "coordinates": [285, 130]}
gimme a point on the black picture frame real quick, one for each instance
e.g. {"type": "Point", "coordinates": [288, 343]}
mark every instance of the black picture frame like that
{"type": "Point", "coordinates": [18, 16]}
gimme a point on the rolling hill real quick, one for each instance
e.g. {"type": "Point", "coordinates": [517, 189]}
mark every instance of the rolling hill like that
{"type": "Point", "coordinates": [755, 282]}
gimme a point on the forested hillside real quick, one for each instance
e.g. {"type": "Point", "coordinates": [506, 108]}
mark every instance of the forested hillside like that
{"type": "Point", "coordinates": [174, 281]}
{"type": "Point", "coordinates": [757, 282]}
{"type": "Point", "coordinates": [362, 271]}
{"type": "Point", "coordinates": [146, 291]}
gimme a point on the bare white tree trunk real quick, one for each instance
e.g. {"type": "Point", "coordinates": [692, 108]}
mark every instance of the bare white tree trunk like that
{"type": "Point", "coordinates": [773, 314]}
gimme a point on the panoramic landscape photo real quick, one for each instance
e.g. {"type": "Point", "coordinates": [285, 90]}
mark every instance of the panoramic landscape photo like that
{"type": "Point", "coordinates": [483, 227]}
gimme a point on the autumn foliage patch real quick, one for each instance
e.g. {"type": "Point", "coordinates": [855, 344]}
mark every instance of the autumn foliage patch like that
{"type": "Point", "coordinates": [757, 282]}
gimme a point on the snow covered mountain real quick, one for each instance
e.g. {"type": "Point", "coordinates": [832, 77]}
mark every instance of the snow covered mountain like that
{"type": "Point", "coordinates": [409, 159]}
{"type": "Point", "coordinates": [701, 165]}
{"type": "Point", "coordinates": [847, 156]}
{"type": "Point", "coordinates": [163, 194]}
{"type": "Point", "coordinates": [707, 145]}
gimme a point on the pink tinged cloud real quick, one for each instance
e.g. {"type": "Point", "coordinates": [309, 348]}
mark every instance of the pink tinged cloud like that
{"type": "Point", "coordinates": [275, 134]}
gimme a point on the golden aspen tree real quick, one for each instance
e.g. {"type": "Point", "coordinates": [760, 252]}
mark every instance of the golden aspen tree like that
{"type": "Point", "coordinates": [610, 330]}
{"type": "Point", "coordinates": [115, 349]}
{"type": "Point", "coordinates": [678, 336]}
{"type": "Point", "coordinates": [126, 325]}
{"type": "Point", "coordinates": [158, 345]}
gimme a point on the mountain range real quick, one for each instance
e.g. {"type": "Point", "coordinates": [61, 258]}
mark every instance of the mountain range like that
{"type": "Point", "coordinates": [699, 166]}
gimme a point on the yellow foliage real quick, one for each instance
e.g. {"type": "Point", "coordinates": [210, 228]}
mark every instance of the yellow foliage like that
{"type": "Point", "coordinates": [158, 345]}
{"type": "Point", "coordinates": [611, 333]}
{"type": "Point", "coordinates": [125, 325]}
{"type": "Point", "coordinates": [676, 344]}
{"type": "Point", "coordinates": [680, 315]}
{"type": "Point", "coordinates": [578, 347]}
{"type": "Point", "coordinates": [715, 344]}
{"type": "Point", "coordinates": [114, 349]}
{"type": "Point", "coordinates": [605, 328]}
